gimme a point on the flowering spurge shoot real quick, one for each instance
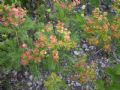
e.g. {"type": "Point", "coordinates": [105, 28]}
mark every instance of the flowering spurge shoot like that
{"type": "Point", "coordinates": [98, 30]}
{"type": "Point", "coordinates": [87, 72]}
{"type": "Point", "coordinates": [48, 44]}
{"type": "Point", "coordinates": [54, 82]}
{"type": "Point", "coordinates": [67, 4]}
{"type": "Point", "coordinates": [115, 5]}
{"type": "Point", "coordinates": [12, 15]}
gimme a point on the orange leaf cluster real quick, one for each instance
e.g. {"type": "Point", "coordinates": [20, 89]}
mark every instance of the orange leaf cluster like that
{"type": "Point", "coordinates": [13, 15]}
{"type": "Point", "coordinates": [69, 5]}
{"type": "Point", "coordinates": [87, 71]}
{"type": "Point", "coordinates": [48, 44]}
{"type": "Point", "coordinates": [100, 31]}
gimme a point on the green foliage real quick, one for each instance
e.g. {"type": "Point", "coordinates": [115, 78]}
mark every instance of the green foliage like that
{"type": "Point", "coordinates": [18, 2]}
{"type": "Point", "coordinates": [54, 82]}
{"type": "Point", "coordinates": [35, 70]}
{"type": "Point", "coordinates": [95, 2]}
{"type": "Point", "coordinates": [9, 55]}
{"type": "Point", "coordinates": [100, 85]}
{"type": "Point", "coordinates": [113, 82]}
{"type": "Point", "coordinates": [47, 18]}
{"type": "Point", "coordinates": [41, 10]}
{"type": "Point", "coordinates": [12, 38]}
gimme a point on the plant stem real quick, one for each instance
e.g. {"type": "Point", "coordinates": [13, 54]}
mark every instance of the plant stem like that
{"type": "Point", "coordinates": [17, 38]}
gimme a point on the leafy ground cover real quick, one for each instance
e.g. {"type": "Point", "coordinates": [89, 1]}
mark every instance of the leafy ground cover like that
{"type": "Point", "coordinates": [59, 45]}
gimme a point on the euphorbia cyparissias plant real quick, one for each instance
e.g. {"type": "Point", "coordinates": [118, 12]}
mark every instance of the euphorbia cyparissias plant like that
{"type": "Point", "coordinates": [67, 4]}
{"type": "Point", "coordinates": [49, 44]}
{"type": "Point", "coordinates": [12, 15]}
{"type": "Point", "coordinates": [101, 31]}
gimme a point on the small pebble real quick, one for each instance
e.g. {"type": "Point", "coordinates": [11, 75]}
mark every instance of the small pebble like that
{"type": "Point", "coordinates": [78, 84]}
{"type": "Point", "coordinates": [84, 46]}
{"type": "Point", "coordinates": [77, 52]}
{"type": "Point", "coordinates": [31, 77]}
{"type": "Point", "coordinates": [29, 83]}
